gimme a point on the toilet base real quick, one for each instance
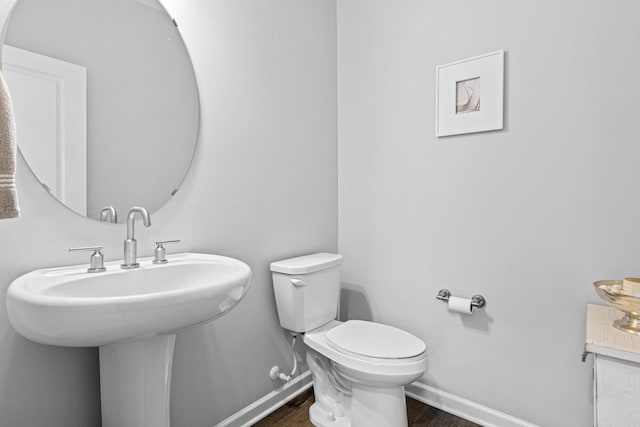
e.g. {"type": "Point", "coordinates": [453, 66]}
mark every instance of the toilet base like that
{"type": "Point", "coordinates": [321, 418]}
{"type": "Point", "coordinates": [370, 407]}
{"type": "Point", "coordinates": [378, 407]}
{"type": "Point", "coordinates": [341, 401]}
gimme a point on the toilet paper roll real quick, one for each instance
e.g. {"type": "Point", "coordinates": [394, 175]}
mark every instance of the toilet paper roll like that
{"type": "Point", "coordinates": [460, 305]}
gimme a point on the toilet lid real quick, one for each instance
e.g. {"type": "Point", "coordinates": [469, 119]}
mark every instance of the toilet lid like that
{"type": "Point", "coordinates": [375, 340]}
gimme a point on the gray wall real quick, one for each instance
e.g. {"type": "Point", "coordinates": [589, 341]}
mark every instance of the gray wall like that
{"type": "Point", "coordinates": [529, 216]}
{"type": "Point", "coordinates": [263, 187]}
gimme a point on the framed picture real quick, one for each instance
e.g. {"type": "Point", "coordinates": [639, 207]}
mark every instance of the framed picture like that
{"type": "Point", "coordinates": [470, 95]}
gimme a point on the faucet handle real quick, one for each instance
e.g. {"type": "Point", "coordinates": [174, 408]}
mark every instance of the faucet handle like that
{"type": "Point", "coordinates": [96, 261]}
{"type": "Point", "coordinates": [159, 253]}
{"type": "Point", "coordinates": [109, 214]}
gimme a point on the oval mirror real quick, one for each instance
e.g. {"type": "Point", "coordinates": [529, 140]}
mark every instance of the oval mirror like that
{"type": "Point", "coordinates": [105, 99]}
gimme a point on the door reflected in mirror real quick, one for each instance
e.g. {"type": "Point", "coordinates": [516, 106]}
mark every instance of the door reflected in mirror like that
{"type": "Point", "coordinates": [105, 98]}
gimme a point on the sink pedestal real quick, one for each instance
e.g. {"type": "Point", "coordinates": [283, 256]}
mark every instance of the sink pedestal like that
{"type": "Point", "coordinates": [135, 382]}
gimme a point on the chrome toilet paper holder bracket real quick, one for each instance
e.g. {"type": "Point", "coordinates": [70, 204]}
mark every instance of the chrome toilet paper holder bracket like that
{"type": "Point", "coordinates": [477, 300]}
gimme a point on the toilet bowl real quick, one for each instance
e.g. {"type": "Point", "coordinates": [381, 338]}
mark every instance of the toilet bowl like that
{"type": "Point", "coordinates": [371, 359]}
{"type": "Point", "coordinates": [375, 361]}
{"type": "Point", "coordinates": [359, 368]}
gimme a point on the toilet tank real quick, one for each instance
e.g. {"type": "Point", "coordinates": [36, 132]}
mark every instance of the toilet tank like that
{"type": "Point", "coordinates": [307, 290]}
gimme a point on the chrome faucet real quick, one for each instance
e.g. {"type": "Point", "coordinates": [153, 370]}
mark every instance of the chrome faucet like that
{"type": "Point", "coordinates": [109, 214]}
{"type": "Point", "coordinates": [130, 244]}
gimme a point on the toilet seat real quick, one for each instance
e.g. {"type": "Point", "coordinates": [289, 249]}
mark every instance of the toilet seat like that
{"type": "Point", "coordinates": [370, 339]}
{"type": "Point", "coordinates": [366, 368]}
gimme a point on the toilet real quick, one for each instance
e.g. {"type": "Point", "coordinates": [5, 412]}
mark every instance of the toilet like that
{"type": "Point", "coordinates": [359, 368]}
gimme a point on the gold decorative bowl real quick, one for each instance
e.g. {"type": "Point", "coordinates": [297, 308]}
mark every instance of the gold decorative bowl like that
{"type": "Point", "coordinates": [623, 295]}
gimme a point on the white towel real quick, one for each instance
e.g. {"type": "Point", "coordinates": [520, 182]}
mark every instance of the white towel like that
{"type": "Point", "coordinates": [8, 194]}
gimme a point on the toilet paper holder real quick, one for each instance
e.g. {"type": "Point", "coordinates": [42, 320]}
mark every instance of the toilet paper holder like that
{"type": "Point", "coordinates": [477, 301]}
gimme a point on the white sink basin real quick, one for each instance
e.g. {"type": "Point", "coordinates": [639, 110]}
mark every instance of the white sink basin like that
{"type": "Point", "coordinates": [69, 307]}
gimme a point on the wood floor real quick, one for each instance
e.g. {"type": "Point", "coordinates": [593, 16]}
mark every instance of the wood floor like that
{"type": "Point", "coordinates": [296, 413]}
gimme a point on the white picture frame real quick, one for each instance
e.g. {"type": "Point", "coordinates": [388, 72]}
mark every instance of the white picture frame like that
{"type": "Point", "coordinates": [470, 95]}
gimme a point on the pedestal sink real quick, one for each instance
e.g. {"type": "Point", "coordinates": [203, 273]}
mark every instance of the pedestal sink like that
{"type": "Point", "coordinates": [133, 316]}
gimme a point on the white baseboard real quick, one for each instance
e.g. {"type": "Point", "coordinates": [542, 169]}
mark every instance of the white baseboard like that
{"type": "Point", "coordinates": [462, 407]}
{"type": "Point", "coordinates": [269, 403]}
{"type": "Point", "coordinates": [426, 394]}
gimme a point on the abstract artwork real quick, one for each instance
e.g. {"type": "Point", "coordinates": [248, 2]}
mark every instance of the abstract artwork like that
{"type": "Point", "coordinates": [469, 95]}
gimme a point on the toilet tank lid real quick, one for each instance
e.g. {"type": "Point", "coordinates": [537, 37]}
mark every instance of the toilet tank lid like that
{"type": "Point", "coordinates": [307, 263]}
